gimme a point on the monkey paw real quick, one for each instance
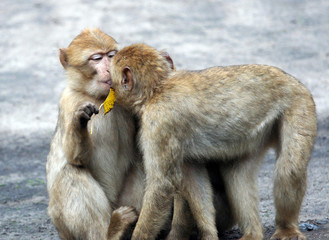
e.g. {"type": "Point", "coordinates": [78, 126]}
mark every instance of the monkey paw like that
{"type": "Point", "coordinates": [85, 112]}
{"type": "Point", "coordinates": [123, 217]}
{"type": "Point", "coordinates": [288, 234]}
{"type": "Point", "coordinates": [121, 220]}
{"type": "Point", "coordinates": [255, 236]}
{"type": "Point", "coordinates": [128, 215]}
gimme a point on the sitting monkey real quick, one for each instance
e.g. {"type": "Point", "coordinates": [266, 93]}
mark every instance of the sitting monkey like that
{"type": "Point", "coordinates": [89, 176]}
{"type": "Point", "coordinates": [85, 173]}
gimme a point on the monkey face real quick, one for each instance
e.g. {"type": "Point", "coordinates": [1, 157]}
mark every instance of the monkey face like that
{"type": "Point", "coordinates": [101, 81]}
{"type": "Point", "coordinates": [87, 61]}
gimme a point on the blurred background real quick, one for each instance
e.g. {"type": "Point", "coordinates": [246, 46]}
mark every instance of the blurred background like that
{"type": "Point", "coordinates": [290, 34]}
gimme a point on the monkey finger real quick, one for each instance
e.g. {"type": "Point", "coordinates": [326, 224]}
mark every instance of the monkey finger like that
{"type": "Point", "coordinates": [85, 108]}
{"type": "Point", "coordinates": [91, 109]}
{"type": "Point", "coordinates": [95, 109]}
{"type": "Point", "coordinates": [84, 115]}
{"type": "Point", "coordinates": [88, 111]}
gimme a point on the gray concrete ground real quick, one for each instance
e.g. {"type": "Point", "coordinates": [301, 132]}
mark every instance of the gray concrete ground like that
{"type": "Point", "coordinates": [290, 34]}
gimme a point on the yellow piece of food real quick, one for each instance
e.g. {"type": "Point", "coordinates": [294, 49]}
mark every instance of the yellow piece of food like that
{"type": "Point", "coordinates": [108, 104]}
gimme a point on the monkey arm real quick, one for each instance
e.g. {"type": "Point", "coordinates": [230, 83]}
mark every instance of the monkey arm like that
{"type": "Point", "coordinates": [160, 184]}
{"type": "Point", "coordinates": [77, 143]}
{"type": "Point", "coordinates": [77, 146]}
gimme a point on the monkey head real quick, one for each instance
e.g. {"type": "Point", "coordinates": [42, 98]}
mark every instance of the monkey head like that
{"type": "Point", "coordinates": [87, 62]}
{"type": "Point", "coordinates": [137, 72]}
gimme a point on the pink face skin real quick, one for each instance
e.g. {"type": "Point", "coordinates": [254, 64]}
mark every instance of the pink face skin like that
{"type": "Point", "coordinates": [101, 63]}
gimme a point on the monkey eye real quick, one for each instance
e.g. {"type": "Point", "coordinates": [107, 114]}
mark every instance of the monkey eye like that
{"type": "Point", "coordinates": [111, 53]}
{"type": "Point", "coordinates": [96, 57]}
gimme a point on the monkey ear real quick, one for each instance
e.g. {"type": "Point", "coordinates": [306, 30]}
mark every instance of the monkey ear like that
{"type": "Point", "coordinates": [128, 79]}
{"type": "Point", "coordinates": [169, 60]}
{"type": "Point", "coordinates": [63, 57]}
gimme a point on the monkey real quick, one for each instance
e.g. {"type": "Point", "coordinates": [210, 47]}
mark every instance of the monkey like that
{"type": "Point", "coordinates": [89, 176]}
{"type": "Point", "coordinates": [230, 115]}
{"type": "Point", "coordinates": [85, 173]}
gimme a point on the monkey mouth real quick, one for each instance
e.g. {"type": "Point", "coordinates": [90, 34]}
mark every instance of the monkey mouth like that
{"type": "Point", "coordinates": [108, 82]}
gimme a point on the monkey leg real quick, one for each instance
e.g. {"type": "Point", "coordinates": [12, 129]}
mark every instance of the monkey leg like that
{"type": "Point", "coordinates": [296, 138]}
{"type": "Point", "coordinates": [78, 206]}
{"type": "Point", "coordinates": [198, 193]}
{"type": "Point", "coordinates": [224, 214]}
{"type": "Point", "coordinates": [155, 211]}
{"type": "Point", "coordinates": [241, 187]}
{"type": "Point", "coordinates": [182, 222]}
{"type": "Point", "coordinates": [163, 178]}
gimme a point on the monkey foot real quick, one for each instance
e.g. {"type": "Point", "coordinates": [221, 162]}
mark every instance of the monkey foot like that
{"type": "Point", "coordinates": [288, 234]}
{"type": "Point", "coordinates": [251, 237]}
{"type": "Point", "coordinates": [121, 219]}
{"type": "Point", "coordinates": [127, 215]}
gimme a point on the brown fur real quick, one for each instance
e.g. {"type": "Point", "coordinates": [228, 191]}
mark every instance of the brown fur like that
{"type": "Point", "coordinates": [90, 175]}
{"type": "Point", "coordinates": [228, 114]}
{"type": "Point", "coordinates": [121, 220]}
{"type": "Point", "coordinates": [85, 173]}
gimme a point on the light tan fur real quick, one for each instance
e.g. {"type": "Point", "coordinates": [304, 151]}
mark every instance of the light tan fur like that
{"type": "Point", "coordinates": [85, 173]}
{"type": "Point", "coordinates": [89, 176]}
{"type": "Point", "coordinates": [231, 115]}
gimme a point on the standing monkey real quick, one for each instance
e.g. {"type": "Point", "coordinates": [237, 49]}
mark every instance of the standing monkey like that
{"type": "Point", "coordinates": [231, 115]}
{"type": "Point", "coordinates": [85, 172]}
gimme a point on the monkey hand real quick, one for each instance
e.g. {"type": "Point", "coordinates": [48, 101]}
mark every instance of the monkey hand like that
{"type": "Point", "coordinates": [84, 113]}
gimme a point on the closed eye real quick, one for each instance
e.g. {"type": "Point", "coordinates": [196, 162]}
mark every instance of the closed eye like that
{"type": "Point", "coordinates": [111, 53]}
{"type": "Point", "coordinates": [96, 57]}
